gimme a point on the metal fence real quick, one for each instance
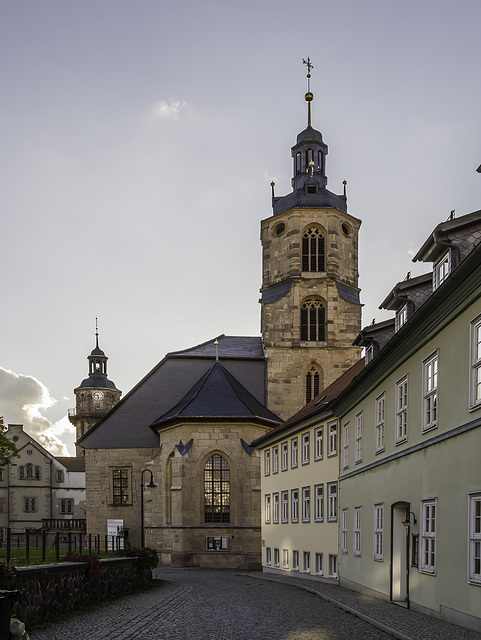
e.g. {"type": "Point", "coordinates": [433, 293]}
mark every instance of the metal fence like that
{"type": "Point", "coordinates": [30, 546]}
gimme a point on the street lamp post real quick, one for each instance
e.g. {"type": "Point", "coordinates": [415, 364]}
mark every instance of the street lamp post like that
{"type": "Point", "coordinates": [151, 485]}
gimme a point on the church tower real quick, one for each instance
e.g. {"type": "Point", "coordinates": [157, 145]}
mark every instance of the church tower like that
{"type": "Point", "coordinates": [310, 311]}
{"type": "Point", "coordinates": [95, 396]}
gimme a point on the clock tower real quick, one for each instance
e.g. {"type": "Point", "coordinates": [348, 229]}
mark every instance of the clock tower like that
{"type": "Point", "coordinates": [95, 395]}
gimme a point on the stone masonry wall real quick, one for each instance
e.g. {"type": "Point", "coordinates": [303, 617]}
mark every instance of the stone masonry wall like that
{"type": "Point", "coordinates": [49, 591]}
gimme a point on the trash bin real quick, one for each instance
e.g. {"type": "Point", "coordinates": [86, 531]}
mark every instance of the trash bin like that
{"type": "Point", "coordinates": [6, 598]}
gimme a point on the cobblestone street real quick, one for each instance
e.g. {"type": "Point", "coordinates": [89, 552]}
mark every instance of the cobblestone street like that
{"type": "Point", "coordinates": [217, 605]}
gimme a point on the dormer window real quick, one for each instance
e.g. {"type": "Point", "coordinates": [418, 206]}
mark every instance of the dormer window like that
{"type": "Point", "coordinates": [369, 355]}
{"type": "Point", "coordinates": [312, 189]}
{"type": "Point", "coordinates": [441, 270]}
{"type": "Point", "coordinates": [401, 316]}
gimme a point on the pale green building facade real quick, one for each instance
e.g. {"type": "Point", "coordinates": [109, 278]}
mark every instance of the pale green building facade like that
{"type": "Point", "coordinates": [410, 441]}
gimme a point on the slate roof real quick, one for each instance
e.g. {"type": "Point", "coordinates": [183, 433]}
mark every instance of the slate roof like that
{"type": "Point", "coordinates": [318, 404]}
{"type": "Point", "coordinates": [217, 395]}
{"type": "Point", "coordinates": [126, 425]}
{"type": "Point", "coordinates": [72, 464]}
{"type": "Point", "coordinates": [228, 347]}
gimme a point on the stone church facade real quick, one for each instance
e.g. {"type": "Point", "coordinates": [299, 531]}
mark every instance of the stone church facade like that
{"type": "Point", "coordinates": [172, 461]}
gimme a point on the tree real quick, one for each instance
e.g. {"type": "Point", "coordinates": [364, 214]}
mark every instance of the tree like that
{"type": "Point", "coordinates": [7, 447]}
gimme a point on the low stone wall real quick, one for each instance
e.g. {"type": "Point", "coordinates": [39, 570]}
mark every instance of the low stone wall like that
{"type": "Point", "coordinates": [49, 591]}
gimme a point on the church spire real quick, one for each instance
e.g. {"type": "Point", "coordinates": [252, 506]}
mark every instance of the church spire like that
{"type": "Point", "coordinates": [309, 97]}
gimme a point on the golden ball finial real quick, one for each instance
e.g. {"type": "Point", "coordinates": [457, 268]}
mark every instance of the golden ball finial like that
{"type": "Point", "coordinates": [309, 96]}
{"type": "Point", "coordinates": [273, 184]}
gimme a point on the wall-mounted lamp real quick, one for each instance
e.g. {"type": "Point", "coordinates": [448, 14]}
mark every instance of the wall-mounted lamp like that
{"type": "Point", "coordinates": [151, 485]}
{"type": "Point", "coordinates": [408, 522]}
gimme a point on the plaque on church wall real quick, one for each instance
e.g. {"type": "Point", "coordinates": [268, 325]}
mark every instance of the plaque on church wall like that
{"type": "Point", "coordinates": [216, 543]}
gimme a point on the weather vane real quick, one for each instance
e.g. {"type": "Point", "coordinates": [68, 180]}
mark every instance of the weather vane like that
{"type": "Point", "coordinates": [309, 96]}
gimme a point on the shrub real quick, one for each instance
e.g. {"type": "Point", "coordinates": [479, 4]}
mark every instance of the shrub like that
{"type": "Point", "coordinates": [95, 570]}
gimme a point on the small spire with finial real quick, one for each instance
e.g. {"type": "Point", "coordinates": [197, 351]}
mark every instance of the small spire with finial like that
{"type": "Point", "coordinates": [273, 184]}
{"type": "Point", "coordinates": [96, 334]}
{"type": "Point", "coordinates": [344, 184]}
{"type": "Point", "coordinates": [309, 97]}
{"type": "Point", "coordinates": [216, 350]}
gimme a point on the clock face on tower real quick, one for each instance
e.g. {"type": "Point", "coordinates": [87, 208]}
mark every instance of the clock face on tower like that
{"type": "Point", "coordinates": [97, 395]}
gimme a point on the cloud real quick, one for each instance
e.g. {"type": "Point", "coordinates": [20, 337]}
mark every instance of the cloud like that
{"type": "Point", "coordinates": [169, 109]}
{"type": "Point", "coordinates": [22, 399]}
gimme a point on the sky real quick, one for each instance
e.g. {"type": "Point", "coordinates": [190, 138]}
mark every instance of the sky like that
{"type": "Point", "coordinates": [138, 143]}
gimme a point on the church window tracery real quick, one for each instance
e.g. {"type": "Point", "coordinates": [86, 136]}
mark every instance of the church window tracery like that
{"type": "Point", "coordinates": [313, 252]}
{"type": "Point", "coordinates": [313, 321]}
{"type": "Point", "coordinates": [217, 489]}
{"type": "Point", "coordinates": [312, 383]}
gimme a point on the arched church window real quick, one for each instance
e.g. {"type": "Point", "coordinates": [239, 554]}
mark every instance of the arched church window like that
{"type": "Point", "coordinates": [313, 320]}
{"type": "Point", "coordinates": [21, 472]}
{"type": "Point", "coordinates": [320, 161]}
{"type": "Point", "coordinates": [312, 383]}
{"type": "Point", "coordinates": [217, 489]}
{"type": "Point", "coordinates": [29, 471]}
{"type": "Point", "coordinates": [309, 157]}
{"type": "Point", "coordinates": [313, 254]}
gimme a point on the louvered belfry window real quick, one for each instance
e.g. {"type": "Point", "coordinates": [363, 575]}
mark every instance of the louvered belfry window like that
{"type": "Point", "coordinates": [313, 320]}
{"type": "Point", "coordinates": [217, 489]}
{"type": "Point", "coordinates": [313, 253]}
{"type": "Point", "coordinates": [312, 384]}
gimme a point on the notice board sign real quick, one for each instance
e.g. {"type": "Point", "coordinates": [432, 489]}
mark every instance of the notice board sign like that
{"type": "Point", "coordinates": [216, 543]}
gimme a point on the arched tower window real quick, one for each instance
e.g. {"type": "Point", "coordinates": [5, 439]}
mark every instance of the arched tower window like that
{"type": "Point", "coordinates": [312, 383]}
{"type": "Point", "coordinates": [217, 489]}
{"type": "Point", "coordinates": [313, 254]}
{"type": "Point", "coordinates": [313, 320]}
{"type": "Point", "coordinates": [298, 162]}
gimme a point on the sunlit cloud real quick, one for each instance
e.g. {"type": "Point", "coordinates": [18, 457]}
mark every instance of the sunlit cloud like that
{"type": "Point", "coordinates": [169, 109]}
{"type": "Point", "coordinates": [22, 399]}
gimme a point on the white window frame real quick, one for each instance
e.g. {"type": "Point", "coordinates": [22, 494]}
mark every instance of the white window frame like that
{"type": "Point", "coordinates": [430, 392]}
{"type": "Point", "coordinates": [294, 505]}
{"type": "Point", "coordinates": [345, 446]}
{"type": "Point", "coordinates": [66, 506]}
{"type": "Point", "coordinates": [275, 508]}
{"type": "Point", "coordinates": [294, 453]}
{"type": "Point", "coordinates": [332, 501]}
{"type": "Point", "coordinates": [333, 565]}
{"type": "Point", "coordinates": [306, 447]}
{"type": "Point", "coordinates": [344, 530]}
{"type": "Point", "coordinates": [475, 391]}
{"type": "Point", "coordinates": [319, 567]}
{"type": "Point", "coordinates": [267, 462]}
{"type": "Point", "coordinates": [357, 531]}
{"type": "Point", "coordinates": [427, 552]}
{"type": "Point", "coordinates": [332, 439]}
{"type": "Point", "coordinates": [277, 559]}
{"type": "Point", "coordinates": [267, 508]}
{"type": "Point", "coordinates": [318, 503]}
{"type": "Point", "coordinates": [379, 423]}
{"type": "Point", "coordinates": [275, 459]}
{"type": "Point", "coordinates": [378, 537]}
{"type": "Point", "coordinates": [306, 562]}
{"type": "Point", "coordinates": [359, 429]}
{"type": "Point", "coordinates": [284, 506]}
{"type": "Point", "coordinates": [318, 443]}
{"type": "Point", "coordinates": [285, 558]}
{"type": "Point", "coordinates": [401, 430]}
{"type": "Point", "coordinates": [284, 455]}
{"type": "Point", "coordinates": [306, 504]}
{"type": "Point", "coordinates": [295, 560]}
{"type": "Point", "coordinates": [401, 317]}
{"type": "Point", "coordinates": [474, 542]}
{"type": "Point", "coordinates": [442, 269]}
{"type": "Point", "coordinates": [268, 556]}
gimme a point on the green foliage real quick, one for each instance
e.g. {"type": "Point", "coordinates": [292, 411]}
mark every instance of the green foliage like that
{"type": "Point", "coordinates": [147, 557]}
{"type": "Point", "coordinates": [7, 576]}
{"type": "Point", "coordinates": [95, 566]}
{"type": "Point", "coordinates": [7, 447]}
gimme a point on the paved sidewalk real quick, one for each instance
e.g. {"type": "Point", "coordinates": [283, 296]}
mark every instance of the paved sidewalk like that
{"type": "Point", "coordinates": [397, 621]}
